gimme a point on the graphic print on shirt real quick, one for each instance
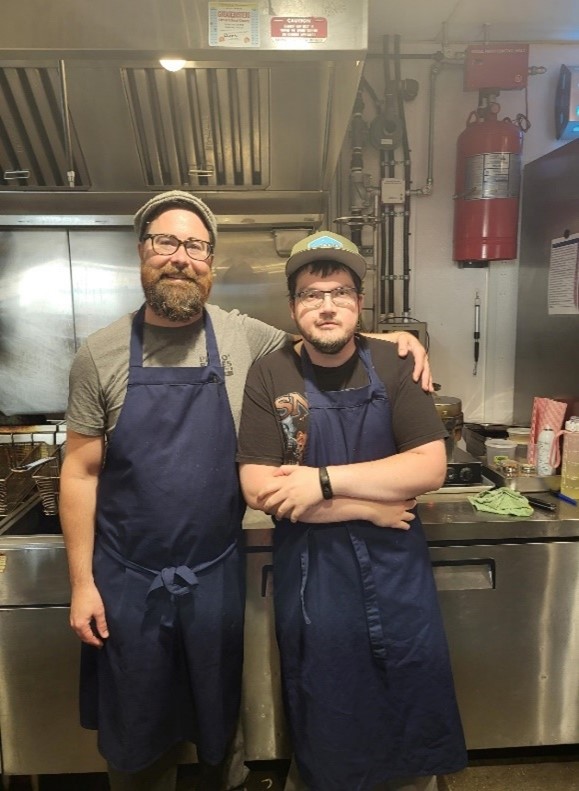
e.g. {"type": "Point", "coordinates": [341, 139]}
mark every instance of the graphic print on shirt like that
{"type": "Point", "coordinates": [226, 362]}
{"type": "Point", "coordinates": [293, 412]}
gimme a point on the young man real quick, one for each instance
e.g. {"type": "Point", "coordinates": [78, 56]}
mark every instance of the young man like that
{"type": "Point", "coordinates": [152, 525]}
{"type": "Point", "coordinates": [336, 441]}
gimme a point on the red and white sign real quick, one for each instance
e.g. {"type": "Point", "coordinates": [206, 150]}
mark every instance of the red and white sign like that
{"type": "Point", "coordinates": [309, 28]}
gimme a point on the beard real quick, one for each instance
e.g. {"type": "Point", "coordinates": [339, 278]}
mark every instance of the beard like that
{"type": "Point", "coordinates": [327, 345]}
{"type": "Point", "coordinates": [177, 302]}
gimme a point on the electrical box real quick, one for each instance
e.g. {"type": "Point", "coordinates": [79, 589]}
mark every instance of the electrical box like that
{"type": "Point", "coordinates": [392, 191]}
{"type": "Point", "coordinates": [567, 103]}
{"type": "Point", "coordinates": [416, 328]}
{"type": "Point", "coordinates": [500, 65]}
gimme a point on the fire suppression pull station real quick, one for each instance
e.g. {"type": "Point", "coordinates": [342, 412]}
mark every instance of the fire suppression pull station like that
{"type": "Point", "coordinates": [393, 191]}
{"type": "Point", "coordinates": [496, 65]}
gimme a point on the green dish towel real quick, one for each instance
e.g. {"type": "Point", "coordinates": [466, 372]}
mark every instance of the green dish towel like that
{"type": "Point", "coordinates": [502, 501]}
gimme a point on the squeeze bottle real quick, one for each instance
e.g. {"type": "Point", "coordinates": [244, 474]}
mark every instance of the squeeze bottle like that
{"type": "Point", "coordinates": [544, 443]}
{"type": "Point", "coordinates": [570, 464]}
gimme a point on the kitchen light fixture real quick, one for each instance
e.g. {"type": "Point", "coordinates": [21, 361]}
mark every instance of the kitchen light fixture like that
{"type": "Point", "coordinates": [172, 64]}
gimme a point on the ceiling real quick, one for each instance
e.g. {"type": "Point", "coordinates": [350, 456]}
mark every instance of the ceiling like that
{"type": "Point", "coordinates": [448, 21]}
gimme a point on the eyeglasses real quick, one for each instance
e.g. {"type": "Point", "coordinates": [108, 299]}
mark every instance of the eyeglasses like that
{"type": "Point", "coordinates": [167, 244]}
{"type": "Point", "coordinates": [342, 297]}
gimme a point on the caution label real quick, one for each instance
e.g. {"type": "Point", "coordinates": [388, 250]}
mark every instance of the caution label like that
{"type": "Point", "coordinates": [489, 176]}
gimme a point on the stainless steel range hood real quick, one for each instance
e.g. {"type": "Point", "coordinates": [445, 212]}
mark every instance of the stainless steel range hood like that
{"type": "Point", "coordinates": [254, 122]}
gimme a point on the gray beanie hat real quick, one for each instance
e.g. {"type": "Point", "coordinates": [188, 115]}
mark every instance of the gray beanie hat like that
{"type": "Point", "coordinates": [174, 199]}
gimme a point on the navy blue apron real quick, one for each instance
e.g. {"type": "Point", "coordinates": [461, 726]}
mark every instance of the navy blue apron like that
{"type": "Point", "coordinates": [166, 563]}
{"type": "Point", "coordinates": [367, 682]}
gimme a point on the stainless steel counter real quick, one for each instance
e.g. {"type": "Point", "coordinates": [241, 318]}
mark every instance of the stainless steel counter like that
{"type": "Point", "coordinates": [444, 517]}
{"type": "Point", "coordinates": [451, 517]}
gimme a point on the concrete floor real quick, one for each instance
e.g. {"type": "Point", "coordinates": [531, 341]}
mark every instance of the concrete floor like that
{"type": "Point", "coordinates": [524, 777]}
{"type": "Point", "coordinates": [552, 771]}
{"type": "Point", "coordinates": [556, 769]}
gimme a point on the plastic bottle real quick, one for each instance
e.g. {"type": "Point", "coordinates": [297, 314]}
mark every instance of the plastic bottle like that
{"type": "Point", "coordinates": [544, 444]}
{"type": "Point", "coordinates": [570, 465]}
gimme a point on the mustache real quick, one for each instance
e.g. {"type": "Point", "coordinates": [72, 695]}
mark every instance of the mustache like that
{"type": "Point", "coordinates": [173, 272]}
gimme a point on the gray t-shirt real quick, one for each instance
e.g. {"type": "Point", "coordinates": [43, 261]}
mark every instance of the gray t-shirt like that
{"type": "Point", "coordinates": [99, 373]}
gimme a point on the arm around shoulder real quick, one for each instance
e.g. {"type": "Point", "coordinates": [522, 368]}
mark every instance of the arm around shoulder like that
{"type": "Point", "coordinates": [407, 342]}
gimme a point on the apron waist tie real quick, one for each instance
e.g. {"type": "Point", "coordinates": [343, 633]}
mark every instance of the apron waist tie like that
{"type": "Point", "coordinates": [304, 570]}
{"type": "Point", "coordinates": [171, 578]}
{"type": "Point", "coordinates": [371, 606]}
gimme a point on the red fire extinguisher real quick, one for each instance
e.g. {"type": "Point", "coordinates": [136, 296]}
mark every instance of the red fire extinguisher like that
{"type": "Point", "coordinates": [488, 176]}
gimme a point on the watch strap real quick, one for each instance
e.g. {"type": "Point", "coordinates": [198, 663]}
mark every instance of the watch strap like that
{"type": "Point", "coordinates": [325, 484]}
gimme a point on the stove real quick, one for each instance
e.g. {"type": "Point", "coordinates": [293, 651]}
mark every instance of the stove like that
{"type": "Point", "coordinates": [462, 469]}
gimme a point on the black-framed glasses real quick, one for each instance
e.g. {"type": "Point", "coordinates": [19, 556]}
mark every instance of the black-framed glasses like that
{"type": "Point", "coordinates": [167, 244]}
{"type": "Point", "coordinates": [342, 297]}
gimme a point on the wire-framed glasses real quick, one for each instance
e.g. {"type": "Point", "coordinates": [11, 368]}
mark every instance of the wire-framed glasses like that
{"type": "Point", "coordinates": [167, 244]}
{"type": "Point", "coordinates": [342, 297]}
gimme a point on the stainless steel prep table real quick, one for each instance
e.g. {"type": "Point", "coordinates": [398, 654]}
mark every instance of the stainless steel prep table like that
{"type": "Point", "coordinates": [509, 590]}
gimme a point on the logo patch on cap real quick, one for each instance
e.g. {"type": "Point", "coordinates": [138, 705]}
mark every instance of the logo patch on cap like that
{"type": "Point", "coordinates": [325, 241]}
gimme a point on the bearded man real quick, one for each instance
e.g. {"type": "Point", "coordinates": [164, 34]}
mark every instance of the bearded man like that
{"type": "Point", "coordinates": [153, 526]}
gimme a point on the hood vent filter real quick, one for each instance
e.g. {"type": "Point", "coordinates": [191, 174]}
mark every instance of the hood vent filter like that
{"type": "Point", "coordinates": [201, 127]}
{"type": "Point", "coordinates": [32, 137]}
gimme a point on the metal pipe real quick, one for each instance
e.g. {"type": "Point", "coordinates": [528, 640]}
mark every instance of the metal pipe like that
{"type": "Point", "coordinates": [410, 56]}
{"type": "Point", "coordinates": [387, 166]}
{"type": "Point", "coordinates": [70, 174]}
{"type": "Point", "coordinates": [391, 242]}
{"type": "Point", "coordinates": [357, 201]}
{"type": "Point", "coordinates": [378, 283]}
{"type": "Point", "coordinates": [407, 182]}
{"type": "Point", "coordinates": [435, 70]}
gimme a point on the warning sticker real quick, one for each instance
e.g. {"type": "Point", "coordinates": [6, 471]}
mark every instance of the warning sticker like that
{"type": "Point", "coordinates": [489, 176]}
{"type": "Point", "coordinates": [308, 28]}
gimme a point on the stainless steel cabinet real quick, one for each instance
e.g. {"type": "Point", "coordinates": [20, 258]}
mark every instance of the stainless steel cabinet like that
{"type": "Point", "coordinates": [39, 662]}
{"type": "Point", "coordinates": [265, 728]}
{"type": "Point", "coordinates": [39, 659]}
{"type": "Point", "coordinates": [105, 277]}
{"type": "Point", "coordinates": [511, 612]}
{"type": "Point", "coordinates": [36, 321]}
{"type": "Point", "coordinates": [56, 287]}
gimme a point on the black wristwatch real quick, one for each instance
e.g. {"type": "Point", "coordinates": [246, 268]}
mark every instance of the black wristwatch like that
{"type": "Point", "coordinates": [327, 492]}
